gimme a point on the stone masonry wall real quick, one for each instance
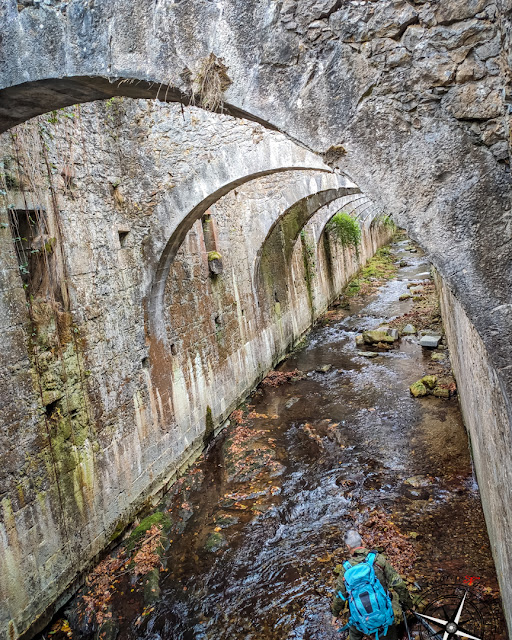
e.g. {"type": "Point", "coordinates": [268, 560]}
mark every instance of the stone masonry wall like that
{"type": "Point", "coordinates": [89, 434]}
{"type": "Point", "coordinates": [485, 417]}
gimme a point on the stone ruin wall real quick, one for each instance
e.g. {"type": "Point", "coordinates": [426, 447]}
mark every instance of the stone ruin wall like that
{"type": "Point", "coordinates": [91, 434]}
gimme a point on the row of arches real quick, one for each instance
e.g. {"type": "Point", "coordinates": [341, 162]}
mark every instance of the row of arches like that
{"type": "Point", "coordinates": [150, 346]}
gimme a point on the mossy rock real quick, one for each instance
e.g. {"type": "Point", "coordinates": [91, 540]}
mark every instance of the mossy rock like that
{"type": "Point", "coordinates": [405, 296]}
{"type": "Point", "coordinates": [437, 357]}
{"type": "Point", "coordinates": [440, 392]}
{"type": "Point", "coordinates": [418, 389]}
{"type": "Point", "coordinates": [429, 381]}
{"type": "Point", "coordinates": [139, 532]}
{"type": "Point", "coordinates": [372, 337]}
{"type": "Point", "coordinates": [152, 587]}
{"type": "Point", "coordinates": [215, 541]}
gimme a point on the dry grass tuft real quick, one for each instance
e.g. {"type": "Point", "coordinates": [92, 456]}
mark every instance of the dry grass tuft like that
{"type": "Point", "coordinates": [210, 82]}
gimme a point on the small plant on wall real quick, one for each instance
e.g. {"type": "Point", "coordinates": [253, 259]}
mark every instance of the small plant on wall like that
{"type": "Point", "coordinates": [346, 229]}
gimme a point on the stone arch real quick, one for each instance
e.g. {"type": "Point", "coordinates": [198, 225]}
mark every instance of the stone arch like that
{"type": "Point", "coordinates": [294, 218]}
{"type": "Point", "coordinates": [183, 206]}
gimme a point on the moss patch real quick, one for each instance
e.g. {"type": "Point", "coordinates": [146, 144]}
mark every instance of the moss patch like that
{"type": "Point", "coordinates": [139, 532]}
{"type": "Point", "coordinates": [374, 274]}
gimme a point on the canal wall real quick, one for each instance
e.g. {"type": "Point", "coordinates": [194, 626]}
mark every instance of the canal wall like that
{"type": "Point", "coordinates": [483, 401]}
{"type": "Point", "coordinates": [107, 394]}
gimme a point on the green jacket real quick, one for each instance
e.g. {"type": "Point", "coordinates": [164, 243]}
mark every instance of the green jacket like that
{"type": "Point", "coordinates": [385, 573]}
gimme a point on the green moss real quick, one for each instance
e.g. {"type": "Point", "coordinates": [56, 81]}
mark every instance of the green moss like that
{"type": "Point", "coordinates": [346, 229]}
{"type": "Point", "coordinates": [380, 267]}
{"type": "Point", "coordinates": [210, 427]}
{"type": "Point", "coordinates": [418, 389]}
{"type": "Point", "coordinates": [215, 541]}
{"type": "Point", "coordinates": [138, 533]}
{"type": "Point", "coordinates": [214, 255]}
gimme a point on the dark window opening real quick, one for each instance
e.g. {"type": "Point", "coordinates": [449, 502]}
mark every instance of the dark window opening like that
{"type": "Point", "coordinates": [51, 408]}
{"type": "Point", "coordinates": [33, 245]}
{"type": "Point", "coordinates": [123, 235]}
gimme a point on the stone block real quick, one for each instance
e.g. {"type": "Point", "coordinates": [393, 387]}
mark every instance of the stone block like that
{"type": "Point", "coordinates": [430, 342]}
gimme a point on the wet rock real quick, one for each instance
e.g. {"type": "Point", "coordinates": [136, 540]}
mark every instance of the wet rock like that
{"type": "Point", "coordinates": [413, 250]}
{"type": "Point", "coordinates": [375, 336]}
{"type": "Point", "coordinates": [409, 330]}
{"type": "Point", "coordinates": [324, 369]}
{"type": "Point", "coordinates": [394, 333]}
{"type": "Point", "coordinates": [109, 630]}
{"type": "Point", "coordinates": [440, 392]}
{"type": "Point", "coordinates": [359, 341]}
{"type": "Point", "coordinates": [405, 296]}
{"type": "Point", "coordinates": [430, 342]}
{"type": "Point", "coordinates": [225, 520]}
{"type": "Point", "coordinates": [412, 284]}
{"type": "Point", "coordinates": [403, 263]}
{"type": "Point", "coordinates": [291, 402]}
{"type": "Point", "coordinates": [429, 381]}
{"type": "Point", "coordinates": [417, 481]}
{"type": "Point", "coordinates": [368, 354]}
{"type": "Point", "coordinates": [417, 290]}
{"type": "Point", "coordinates": [152, 587]}
{"type": "Point", "coordinates": [215, 541]}
{"type": "Point", "coordinates": [418, 389]}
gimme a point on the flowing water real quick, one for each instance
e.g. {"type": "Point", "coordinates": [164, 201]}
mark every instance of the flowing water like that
{"type": "Point", "coordinates": [257, 523]}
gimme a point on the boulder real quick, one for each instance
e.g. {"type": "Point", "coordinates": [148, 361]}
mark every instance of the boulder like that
{"type": "Point", "coordinates": [409, 330]}
{"type": "Point", "coordinates": [376, 335]}
{"type": "Point", "coordinates": [430, 342]}
{"type": "Point", "coordinates": [418, 389]}
{"type": "Point", "coordinates": [429, 381]}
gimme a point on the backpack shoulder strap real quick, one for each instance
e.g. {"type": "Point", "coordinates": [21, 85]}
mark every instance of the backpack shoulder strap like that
{"type": "Point", "coordinates": [347, 565]}
{"type": "Point", "coordinates": [370, 558]}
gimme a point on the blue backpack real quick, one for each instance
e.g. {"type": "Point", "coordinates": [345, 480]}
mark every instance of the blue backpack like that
{"type": "Point", "coordinates": [370, 605]}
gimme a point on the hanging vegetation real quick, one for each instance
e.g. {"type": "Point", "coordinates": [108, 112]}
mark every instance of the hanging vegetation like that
{"type": "Point", "coordinates": [346, 229]}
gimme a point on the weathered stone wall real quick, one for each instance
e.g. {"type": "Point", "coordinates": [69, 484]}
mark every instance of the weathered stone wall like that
{"type": "Point", "coordinates": [92, 428]}
{"type": "Point", "coordinates": [483, 402]}
{"type": "Point", "coordinates": [411, 98]}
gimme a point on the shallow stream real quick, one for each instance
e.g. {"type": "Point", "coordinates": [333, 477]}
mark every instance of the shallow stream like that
{"type": "Point", "coordinates": [258, 521]}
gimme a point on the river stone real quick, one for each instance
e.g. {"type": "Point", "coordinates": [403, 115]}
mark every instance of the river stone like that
{"type": "Point", "coordinates": [417, 481]}
{"type": "Point", "coordinates": [440, 392]}
{"type": "Point", "coordinates": [375, 336]}
{"type": "Point", "coordinates": [403, 263]}
{"type": "Point", "coordinates": [215, 542]}
{"type": "Point", "coordinates": [430, 342]}
{"type": "Point", "coordinates": [418, 389]}
{"type": "Point", "coordinates": [152, 587]}
{"type": "Point", "coordinates": [405, 296]}
{"type": "Point", "coordinates": [323, 369]}
{"type": "Point", "coordinates": [417, 290]}
{"type": "Point", "coordinates": [437, 357]}
{"type": "Point", "coordinates": [429, 381]}
{"type": "Point", "coordinates": [291, 402]}
{"type": "Point", "coordinates": [368, 354]}
{"type": "Point", "coordinates": [359, 340]}
{"type": "Point", "coordinates": [394, 333]}
{"type": "Point", "coordinates": [409, 330]}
